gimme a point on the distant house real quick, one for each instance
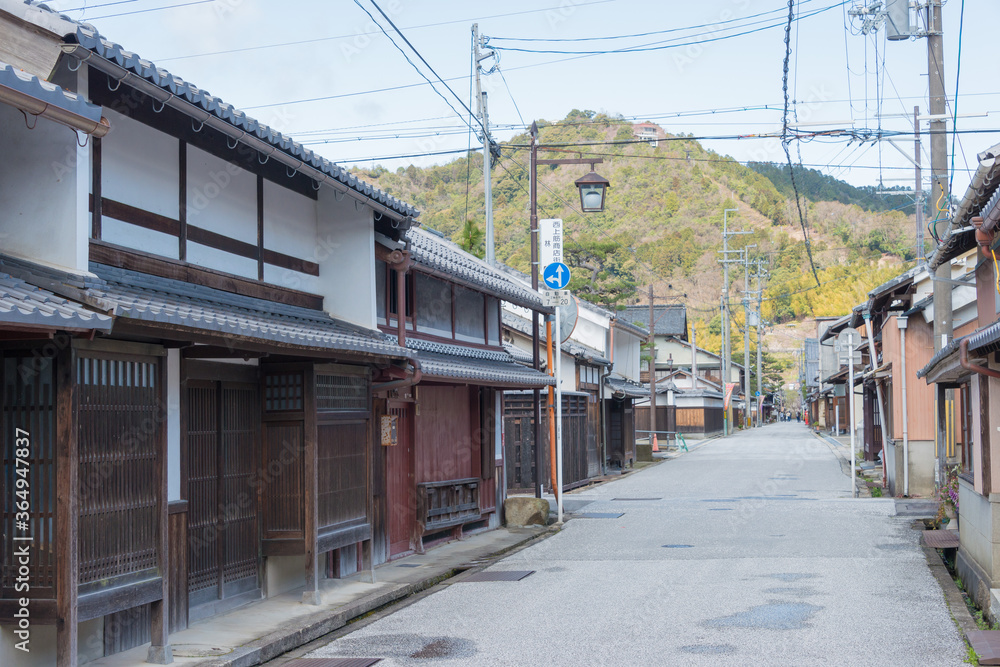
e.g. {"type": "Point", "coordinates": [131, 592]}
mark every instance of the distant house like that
{"type": "Point", "coordinates": [650, 132]}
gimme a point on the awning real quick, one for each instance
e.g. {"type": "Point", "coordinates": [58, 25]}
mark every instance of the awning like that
{"type": "Point", "coordinates": [623, 388]}
{"type": "Point", "coordinates": [156, 301]}
{"type": "Point", "coordinates": [472, 370]}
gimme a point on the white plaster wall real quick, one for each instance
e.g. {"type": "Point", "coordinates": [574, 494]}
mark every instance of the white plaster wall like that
{"type": "Point", "coordinates": [173, 425]}
{"type": "Point", "coordinates": [590, 333]}
{"type": "Point", "coordinates": [628, 350]}
{"type": "Point", "coordinates": [976, 529]}
{"type": "Point", "coordinates": [289, 228]}
{"type": "Point", "coordinates": [567, 372]}
{"type": "Point", "coordinates": [140, 167]}
{"type": "Point", "coordinates": [345, 252]}
{"type": "Point", "coordinates": [44, 186]}
{"type": "Point", "coordinates": [222, 198]}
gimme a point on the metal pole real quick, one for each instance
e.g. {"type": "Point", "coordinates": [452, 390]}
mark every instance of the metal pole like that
{"type": "Point", "coordinates": [559, 443]}
{"type": "Point", "coordinates": [726, 350]}
{"type": "Point", "coordinates": [760, 328]}
{"type": "Point", "coordinates": [535, 360]}
{"type": "Point", "coordinates": [652, 370]}
{"type": "Point", "coordinates": [850, 394]}
{"type": "Point", "coordinates": [484, 117]}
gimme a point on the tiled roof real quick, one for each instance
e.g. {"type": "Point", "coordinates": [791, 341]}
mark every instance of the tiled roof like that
{"type": "Point", "coordinates": [151, 299]}
{"type": "Point", "coordinates": [620, 322]}
{"type": "Point", "coordinates": [670, 320]}
{"type": "Point", "coordinates": [174, 88]}
{"type": "Point", "coordinates": [627, 387]}
{"type": "Point", "coordinates": [437, 253]}
{"type": "Point", "coordinates": [49, 93]}
{"type": "Point", "coordinates": [509, 373]}
{"type": "Point", "coordinates": [512, 321]}
{"type": "Point", "coordinates": [942, 354]}
{"type": "Point", "coordinates": [519, 355]}
{"type": "Point", "coordinates": [902, 279]}
{"type": "Point", "coordinates": [26, 305]}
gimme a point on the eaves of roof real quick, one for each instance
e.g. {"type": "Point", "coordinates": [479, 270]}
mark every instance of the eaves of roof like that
{"type": "Point", "coordinates": [493, 372]}
{"type": "Point", "coordinates": [85, 43]}
{"type": "Point", "coordinates": [161, 301]}
{"type": "Point", "coordinates": [626, 388]}
{"type": "Point", "coordinates": [942, 354]}
{"type": "Point", "coordinates": [441, 255]}
{"type": "Point", "coordinates": [26, 305]}
{"type": "Point", "coordinates": [959, 236]}
{"type": "Point", "coordinates": [50, 94]}
{"type": "Point", "coordinates": [621, 324]}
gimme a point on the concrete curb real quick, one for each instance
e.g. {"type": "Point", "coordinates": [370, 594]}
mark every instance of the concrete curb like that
{"type": "Point", "coordinates": [952, 595]}
{"type": "Point", "coordinates": [297, 633]}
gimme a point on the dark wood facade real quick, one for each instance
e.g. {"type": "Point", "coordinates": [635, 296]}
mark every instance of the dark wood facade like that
{"type": "Point", "coordinates": [619, 415]}
{"type": "Point", "coordinates": [519, 446]}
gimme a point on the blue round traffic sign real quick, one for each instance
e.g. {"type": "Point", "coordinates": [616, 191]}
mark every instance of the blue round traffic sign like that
{"type": "Point", "coordinates": [556, 275]}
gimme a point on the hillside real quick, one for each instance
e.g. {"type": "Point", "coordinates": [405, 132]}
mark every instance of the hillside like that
{"type": "Point", "coordinates": [663, 220]}
{"type": "Point", "coordinates": [816, 186]}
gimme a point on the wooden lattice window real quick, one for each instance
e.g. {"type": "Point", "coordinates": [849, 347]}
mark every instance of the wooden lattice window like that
{"type": "Point", "coordinates": [28, 403]}
{"type": "Point", "coordinates": [283, 392]}
{"type": "Point", "coordinates": [342, 392]}
{"type": "Point", "coordinates": [120, 404]}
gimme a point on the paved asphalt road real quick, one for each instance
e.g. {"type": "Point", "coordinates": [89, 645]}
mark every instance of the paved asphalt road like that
{"type": "Point", "coordinates": [747, 551]}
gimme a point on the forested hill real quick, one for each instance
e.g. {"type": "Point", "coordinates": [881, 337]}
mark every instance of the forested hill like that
{"type": "Point", "coordinates": [663, 220]}
{"type": "Point", "coordinates": [815, 186]}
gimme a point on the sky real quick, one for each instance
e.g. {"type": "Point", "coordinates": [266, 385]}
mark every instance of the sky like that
{"type": "Point", "coordinates": [324, 72]}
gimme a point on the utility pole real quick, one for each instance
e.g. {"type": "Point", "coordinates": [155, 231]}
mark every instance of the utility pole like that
{"type": "Point", "coordinates": [746, 334]}
{"type": "Point", "coordinates": [726, 342]}
{"type": "Point", "coordinates": [484, 117]}
{"type": "Point", "coordinates": [652, 369]}
{"type": "Point", "coordinates": [760, 327]}
{"type": "Point", "coordinates": [918, 188]}
{"type": "Point", "coordinates": [943, 323]}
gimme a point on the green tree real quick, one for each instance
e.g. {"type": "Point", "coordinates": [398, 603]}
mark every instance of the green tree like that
{"type": "Point", "coordinates": [471, 239]}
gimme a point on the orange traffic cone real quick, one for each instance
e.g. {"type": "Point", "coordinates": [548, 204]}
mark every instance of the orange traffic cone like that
{"type": "Point", "coordinates": [656, 446]}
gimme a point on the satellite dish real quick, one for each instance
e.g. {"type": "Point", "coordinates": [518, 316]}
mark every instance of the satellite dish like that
{"type": "Point", "coordinates": [568, 316]}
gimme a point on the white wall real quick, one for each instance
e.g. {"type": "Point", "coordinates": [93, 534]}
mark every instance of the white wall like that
{"type": "Point", "coordinates": [628, 350]}
{"type": "Point", "coordinates": [44, 184]}
{"type": "Point", "coordinates": [345, 252]}
{"type": "Point", "coordinates": [173, 424]}
{"type": "Point", "coordinates": [289, 228]}
{"type": "Point", "coordinates": [592, 330]}
{"type": "Point", "coordinates": [222, 198]}
{"type": "Point", "coordinates": [140, 167]}
{"type": "Point", "coordinates": [567, 372]}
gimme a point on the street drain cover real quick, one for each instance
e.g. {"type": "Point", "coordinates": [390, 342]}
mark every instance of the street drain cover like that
{"type": "Point", "coordinates": [599, 515]}
{"type": "Point", "coordinates": [508, 575]}
{"type": "Point", "coordinates": [637, 499]}
{"type": "Point", "coordinates": [408, 565]}
{"type": "Point", "coordinates": [333, 662]}
{"type": "Point", "coordinates": [678, 546]}
{"type": "Point", "coordinates": [720, 509]}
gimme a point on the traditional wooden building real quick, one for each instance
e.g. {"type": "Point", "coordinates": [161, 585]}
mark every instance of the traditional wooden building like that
{"type": "Point", "coordinates": [193, 383]}
{"type": "Point", "coordinates": [444, 475]}
{"type": "Point", "coordinates": [966, 382]}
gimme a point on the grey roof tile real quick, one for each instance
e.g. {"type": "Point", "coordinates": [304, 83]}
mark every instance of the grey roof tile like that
{"type": "Point", "coordinates": [23, 304]}
{"type": "Point", "coordinates": [161, 300]}
{"type": "Point", "coordinates": [626, 387]}
{"type": "Point", "coordinates": [621, 322]}
{"type": "Point", "coordinates": [53, 95]}
{"type": "Point", "coordinates": [671, 320]}
{"type": "Point", "coordinates": [434, 252]}
{"type": "Point", "coordinates": [511, 373]}
{"type": "Point", "coordinates": [89, 38]}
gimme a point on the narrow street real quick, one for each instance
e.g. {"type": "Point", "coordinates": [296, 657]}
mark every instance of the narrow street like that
{"type": "Point", "coordinates": [748, 550]}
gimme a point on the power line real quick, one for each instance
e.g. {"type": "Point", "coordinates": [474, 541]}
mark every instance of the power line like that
{"type": "Point", "coordinates": [659, 46]}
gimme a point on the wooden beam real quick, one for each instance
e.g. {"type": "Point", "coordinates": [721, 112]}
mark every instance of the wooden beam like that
{"type": "Point", "coordinates": [182, 202]}
{"type": "Point", "coordinates": [96, 196]}
{"type": "Point", "coordinates": [67, 511]}
{"type": "Point", "coordinates": [260, 227]}
{"type": "Point", "coordinates": [134, 260]}
{"type": "Point", "coordinates": [160, 652]}
{"type": "Point", "coordinates": [310, 482]}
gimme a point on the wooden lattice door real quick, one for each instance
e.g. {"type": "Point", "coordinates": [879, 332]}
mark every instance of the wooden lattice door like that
{"type": "Point", "coordinates": [223, 420]}
{"type": "Point", "coordinates": [400, 488]}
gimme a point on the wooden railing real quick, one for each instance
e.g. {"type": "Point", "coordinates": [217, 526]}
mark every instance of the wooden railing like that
{"type": "Point", "coordinates": [447, 504]}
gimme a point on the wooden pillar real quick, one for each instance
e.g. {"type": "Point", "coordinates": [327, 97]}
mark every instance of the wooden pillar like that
{"type": "Point", "coordinates": [310, 479]}
{"type": "Point", "coordinates": [160, 652]}
{"type": "Point", "coordinates": [67, 510]}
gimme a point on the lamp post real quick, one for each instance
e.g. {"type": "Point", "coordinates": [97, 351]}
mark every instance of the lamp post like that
{"type": "Point", "coordinates": [593, 188]}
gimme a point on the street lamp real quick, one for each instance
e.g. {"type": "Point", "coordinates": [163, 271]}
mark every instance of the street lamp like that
{"type": "Point", "coordinates": [592, 188]}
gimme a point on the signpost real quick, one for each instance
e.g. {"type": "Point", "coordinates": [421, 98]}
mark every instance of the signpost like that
{"type": "Point", "coordinates": [848, 341]}
{"type": "Point", "coordinates": [555, 276]}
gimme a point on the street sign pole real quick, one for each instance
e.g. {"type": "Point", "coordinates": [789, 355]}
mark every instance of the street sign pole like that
{"type": "Point", "coordinates": [557, 350]}
{"type": "Point", "coordinates": [850, 403]}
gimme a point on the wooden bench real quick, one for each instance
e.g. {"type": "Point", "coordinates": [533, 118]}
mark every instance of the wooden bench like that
{"type": "Point", "coordinates": [442, 505]}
